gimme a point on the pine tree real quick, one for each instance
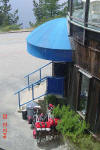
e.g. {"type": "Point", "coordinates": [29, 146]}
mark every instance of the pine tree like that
{"type": "Point", "coordinates": [45, 9]}
{"type": "Point", "coordinates": [6, 17]}
{"type": "Point", "coordinates": [38, 9]}
{"type": "Point", "coordinates": [64, 10]}
{"type": "Point", "coordinates": [52, 8]}
{"type": "Point", "coordinates": [1, 16]}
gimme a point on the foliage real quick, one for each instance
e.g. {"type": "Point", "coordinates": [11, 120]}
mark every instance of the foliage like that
{"type": "Point", "coordinates": [43, 20]}
{"type": "Point", "coordinates": [52, 99]}
{"type": "Point", "coordinates": [70, 125]}
{"type": "Point", "coordinates": [46, 9]}
{"type": "Point", "coordinates": [43, 106]}
{"type": "Point", "coordinates": [87, 142]}
{"type": "Point", "coordinates": [4, 9]}
{"type": "Point", "coordinates": [57, 112]}
{"type": "Point", "coordinates": [9, 28]}
{"type": "Point", "coordinates": [6, 17]}
{"type": "Point", "coordinates": [31, 24]}
{"type": "Point", "coordinates": [64, 10]}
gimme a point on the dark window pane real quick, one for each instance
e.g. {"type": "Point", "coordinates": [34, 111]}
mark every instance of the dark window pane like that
{"type": "Point", "coordinates": [94, 14]}
{"type": "Point", "coordinates": [84, 94]}
{"type": "Point", "coordinates": [79, 10]}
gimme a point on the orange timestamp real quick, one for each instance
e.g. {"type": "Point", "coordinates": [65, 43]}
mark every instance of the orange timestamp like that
{"type": "Point", "coordinates": [4, 117]}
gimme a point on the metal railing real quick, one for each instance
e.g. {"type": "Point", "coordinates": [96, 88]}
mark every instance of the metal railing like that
{"type": "Point", "coordinates": [32, 88]}
{"type": "Point", "coordinates": [38, 70]}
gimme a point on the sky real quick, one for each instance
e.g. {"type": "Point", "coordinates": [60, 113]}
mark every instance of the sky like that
{"type": "Point", "coordinates": [25, 10]}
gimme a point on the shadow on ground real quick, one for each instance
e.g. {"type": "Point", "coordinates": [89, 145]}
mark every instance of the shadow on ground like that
{"type": "Point", "coordinates": [48, 144]}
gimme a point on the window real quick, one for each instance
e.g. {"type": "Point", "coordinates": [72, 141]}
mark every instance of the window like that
{"type": "Point", "coordinates": [97, 118]}
{"type": "Point", "coordinates": [94, 13]}
{"type": "Point", "coordinates": [83, 97]}
{"type": "Point", "coordinates": [78, 10]}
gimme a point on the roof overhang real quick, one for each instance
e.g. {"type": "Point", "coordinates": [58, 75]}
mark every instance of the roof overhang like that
{"type": "Point", "coordinates": [50, 41]}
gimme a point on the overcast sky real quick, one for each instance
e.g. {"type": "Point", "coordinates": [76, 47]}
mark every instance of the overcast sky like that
{"type": "Point", "coordinates": [25, 10]}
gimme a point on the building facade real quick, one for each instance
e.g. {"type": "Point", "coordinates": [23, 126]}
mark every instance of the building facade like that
{"type": "Point", "coordinates": [84, 85]}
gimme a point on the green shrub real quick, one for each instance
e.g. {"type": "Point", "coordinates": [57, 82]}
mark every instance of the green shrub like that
{"type": "Point", "coordinates": [87, 143]}
{"type": "Point", "coordinates": [57, 112]}
{"type": "Point", "coordinates": [73, 128]}
{"type": "Point", "coordinates": [70, 125]}
{"type": "Point", "coordinates": [14, 27]}
{"type": "Point", "coordinates": [9, 28]}
{"type": "Point", "coordinates": [52, 99]}
{"type": "Point", "coordinates": [61, 101]}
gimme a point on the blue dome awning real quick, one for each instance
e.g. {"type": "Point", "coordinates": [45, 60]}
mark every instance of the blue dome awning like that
{"type": "Point", "coordinates": [50, 41]}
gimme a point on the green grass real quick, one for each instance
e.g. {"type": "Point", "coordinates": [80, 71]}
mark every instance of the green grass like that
{"type": "Point", "coordinates": [9, 28]}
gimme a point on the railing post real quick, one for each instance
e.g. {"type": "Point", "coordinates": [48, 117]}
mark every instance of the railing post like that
{"type": "Point", "coordinates": [32, 92]}
{"type": "Point", "coordinates": [40, 74]}
{"type": "Point", "coordinates": [28, 82]}
{"type": "Point", "coordinates": [19, 99]}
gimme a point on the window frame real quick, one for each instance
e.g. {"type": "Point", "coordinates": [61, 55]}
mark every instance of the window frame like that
{"type": "Point", "coordinates": [85, 20]}
{"type": "Point", "coordinates": [79, 91]}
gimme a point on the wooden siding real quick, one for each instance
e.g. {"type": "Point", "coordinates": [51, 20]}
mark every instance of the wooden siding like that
{"type": "Point", "coordinates": [93, 110]}
{"type": "Point", "coordinates": [87, 57]}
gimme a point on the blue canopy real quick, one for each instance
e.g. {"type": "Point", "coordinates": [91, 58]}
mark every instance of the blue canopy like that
{"type": "Point", "coordinates": [50, 41]}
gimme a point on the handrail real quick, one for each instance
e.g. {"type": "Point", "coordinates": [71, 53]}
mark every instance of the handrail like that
{"type": "Point", "coordinates": [37, 70]}
{"type": "Point", "coordinates": [34, 84]}
{"type": "Point", "coordinates": [32, 87]}
{"type": "Point", "coordinates": [40, 69]}
{"type": "Point", "coordinates": [33, 99]}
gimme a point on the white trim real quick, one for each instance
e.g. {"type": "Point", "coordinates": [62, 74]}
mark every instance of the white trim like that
{"type": "Point", "coordinates": [85, 73]}
{"type": "Point", "coordinates": [92, 1]}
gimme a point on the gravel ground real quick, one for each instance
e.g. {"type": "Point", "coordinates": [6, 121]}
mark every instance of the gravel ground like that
{"type": "Point", "coordinates": [15, 63]}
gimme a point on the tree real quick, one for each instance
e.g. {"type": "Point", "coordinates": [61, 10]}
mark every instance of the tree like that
{"type": "Point", "coordinates": [53, 8]}
{"type": "Point", "coordinates": [64, 7]}
{"type": "Point", "coordinates": [6, 17]}
{"type": "Point", "coordinates": [14, 17]}
{"type": "Point", "coordinates": [45, 9]}
{"type": "Point", "coordinates": [39, 10]}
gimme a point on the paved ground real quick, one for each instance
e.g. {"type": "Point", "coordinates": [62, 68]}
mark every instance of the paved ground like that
{"type": "Point", "coordinates": [15, 62]}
